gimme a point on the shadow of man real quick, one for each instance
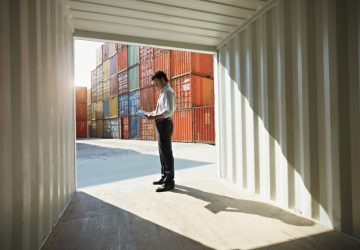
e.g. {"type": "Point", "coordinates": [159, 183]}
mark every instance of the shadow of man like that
{"type": "Point", "coordinates": [220, 203]}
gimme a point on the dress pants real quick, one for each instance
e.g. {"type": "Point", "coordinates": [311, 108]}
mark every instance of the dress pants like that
{"type": "Point", "coordinates": [165, 130]}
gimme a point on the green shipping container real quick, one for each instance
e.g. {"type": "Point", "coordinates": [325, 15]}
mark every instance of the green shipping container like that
{"type": "Point", "coordinates": [133, 78]}
{"type": "Point", "coordinates": [133, 55]}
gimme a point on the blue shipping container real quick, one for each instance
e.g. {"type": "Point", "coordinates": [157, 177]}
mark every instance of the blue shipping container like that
{"type": "Point", "coordinates": [134, 102]}
{"type": "Point", "coordinates": [134, 126]}
{"type": "Point", "coordinates": [106, 109]}
{"type": "Point", "coordinates": [123, 105]}
{"type": "Point", "coordinates": [114, 128]}
{"type": "Point", "coordinates": [107, 129]}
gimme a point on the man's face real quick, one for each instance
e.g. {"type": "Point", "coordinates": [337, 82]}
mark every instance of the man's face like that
{"type": "Point", "coordinates": [158, 83]}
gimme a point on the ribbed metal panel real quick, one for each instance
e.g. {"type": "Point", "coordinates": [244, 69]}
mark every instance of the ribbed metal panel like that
{"type": "Point", "coordinates": [37, 122]}
{"type": "Point", "coordinates": [288, 109]}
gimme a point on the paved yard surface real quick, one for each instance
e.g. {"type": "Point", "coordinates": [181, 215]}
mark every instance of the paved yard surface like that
{"type": "Point", "coordinates": [116, 206]}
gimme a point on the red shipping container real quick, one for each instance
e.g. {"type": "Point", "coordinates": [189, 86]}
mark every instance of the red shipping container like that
{"type": "Point", "coordinates": [124, 127]}
{"type": "Point", "coordinates": [123, 82]}
{"type": "Point", "coordinates": [146, 70]}
{"type": "Point", "coordinates": [176, 86]}
{"type": "Point", "coordinates": [147, 130]}
{"type": "Point", "coordinates": [121, 46]}
{"type": "Point", "coordinates": [114, 87]}
{"type": "Point", "coordinates": [204, 125]}
{"type": "Point", "coordinates": [146, 53]}
{"type": "Point", "coordinates": [162, 62]}
{"type": "Point", "coordinates": [183, 126]}
{"type": "Point", "coordinates": [159, 51]}
{"type": "Point", "coordinates": [81, 111]}
{"type": "Point", "coordinates": [184, 62]}
{"type": "Point", "coordinates": [81, 94]}
{"type": "Point", "coordinates": [148, 99]}
{"type": "Point", "coordinates": [81, 129]}
{"type": "Point", "coordinates": [122, 59]}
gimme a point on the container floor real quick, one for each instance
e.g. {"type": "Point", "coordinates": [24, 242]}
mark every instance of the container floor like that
{"type": "Point", "coordinates": [116, 206]}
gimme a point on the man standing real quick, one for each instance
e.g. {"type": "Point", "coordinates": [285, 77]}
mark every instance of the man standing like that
{"type": "Point", "coordinates": [162, 115]}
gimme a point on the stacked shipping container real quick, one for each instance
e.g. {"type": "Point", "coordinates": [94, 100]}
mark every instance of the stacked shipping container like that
{"type": "Point", "coordinates": [81, 96]}
{"type": "Point", "coordinates": [121, 85]}
{"type": "Point", "coordinates": [192, 80]}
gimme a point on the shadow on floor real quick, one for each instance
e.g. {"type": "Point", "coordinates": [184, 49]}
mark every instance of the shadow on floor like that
{"type": "Point", "coordinates": [98, 165]}
{"type": "Point", "coordinates": [219, 203]}
{"type": "Point", "coordinates": [331, 240]}
{"type": "Point", "coordinates": [89, 223]}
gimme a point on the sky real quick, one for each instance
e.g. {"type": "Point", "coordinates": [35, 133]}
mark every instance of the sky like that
{"type": "Point", "coordinates": [85, 61]}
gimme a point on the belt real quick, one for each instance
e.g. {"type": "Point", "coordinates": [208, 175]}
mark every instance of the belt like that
{"type": "Point", "coordinates": [163, 119]}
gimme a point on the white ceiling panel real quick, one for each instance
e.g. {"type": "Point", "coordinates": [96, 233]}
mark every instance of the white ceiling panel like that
{"type": "Point", "coordinates": [187, 24]}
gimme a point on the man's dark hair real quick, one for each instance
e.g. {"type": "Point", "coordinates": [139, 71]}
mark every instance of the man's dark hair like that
{"type": "Point", "coordinates": [159, 75]}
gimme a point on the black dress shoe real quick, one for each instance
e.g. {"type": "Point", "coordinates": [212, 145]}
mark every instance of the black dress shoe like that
{"type": "Point", "coordinates": [159, 182]}
{"type": "Point", "coordinates": [165, 187]}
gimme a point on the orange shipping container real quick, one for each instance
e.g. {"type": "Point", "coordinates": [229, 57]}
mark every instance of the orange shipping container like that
{"type": "Point", "coordinates": [124, 127]}
{"type": "Point", "coordinates": [162, 62]}
{"type": "Point", "coordinates": [81, 94]}
{"type": "Point", "coordinates": [176, 85]}
{"type": "Point", "coordinates": [81, 111]}
{"type": "Point", "coordinates": [146, 70]}
{"type": "Point", "coordinates": [204, 125]}
{"type": "Point", "coordinates": [183, 126]}
{"type": "Point", "coordinates": [184, 62]}
{"type": "Point", "coordinates": [147, 130]}
{"type": "Point", "coordinates": [122, 59]}
{"type": "Point", "coordinates": [195, 91]}
{"type": "Point", "coordinates": [81, 129]}
{"type": "Point", "coordinates": [148, 99]}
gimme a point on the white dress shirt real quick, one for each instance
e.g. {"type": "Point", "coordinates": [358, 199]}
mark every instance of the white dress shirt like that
{"type": "Point", "coordinates": [166, 104]}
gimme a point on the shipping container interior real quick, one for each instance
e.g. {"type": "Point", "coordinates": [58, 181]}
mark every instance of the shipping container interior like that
{"type": "Point", "coordinates": [272, 84]}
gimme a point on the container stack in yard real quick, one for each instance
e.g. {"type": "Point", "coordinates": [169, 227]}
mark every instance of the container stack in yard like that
{"type": "Point", "coordinates": [81, 112]}
{"type": "Point", "coordinates": [192, 78]}
{"type": "Point", "coordinates": [121, 85]}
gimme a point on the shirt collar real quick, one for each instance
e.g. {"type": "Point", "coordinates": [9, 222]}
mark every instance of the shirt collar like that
{"type": "Point", "coordinates": [165, 87]}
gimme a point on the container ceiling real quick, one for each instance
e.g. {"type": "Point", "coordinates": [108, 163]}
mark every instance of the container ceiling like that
{"type": "Point", "coordinates": [188, 24]}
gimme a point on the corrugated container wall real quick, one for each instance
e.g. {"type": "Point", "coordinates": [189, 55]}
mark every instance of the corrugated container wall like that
{"type": "Point", "coordinates": [134, 102]}
{"type": "Point", "coordinates": [99, 56]}
{"type": "Point", "coordinates": [106, 109]}
{"type": "Point", "coordinates": [113, 65]}
{"type": "Point", "coordinates": [134, 127]}
{"type": "Point", "coordinates": [123, 105]}
{"type": "Point", "coordinates": [105, 52]}
{"type": "Point", "coordinates": [184, 62]}
{"type": "Point", "coordinates": [123, 82]}
{"type": "Point", "coordinates": [106, 70]}
{"type": "Point", "coordinates": [204, 124]}
{"type": "Point", "coordinates": [37, 145]}
{"type": "Point", "coordinates": [122, 59]}
{"type": "Point", "coordinates": [81, 95]}
{"type": "Point", "coordinates": [112, 49]}
{"type": "Point", "coordinates": [183, 126]}
{"type": "Point", "coordinates": [133, 55]}
{"type": "Point", "coordinates": [291, 76]}
{"type": "Point", "coordinates": [133, 78]}
{"type": "Point", "coordinates": [125, 127]}
{"type": "Point", "coordinates": [162, 62]}
{"type": "Point", "coordinates": [114, 85]}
